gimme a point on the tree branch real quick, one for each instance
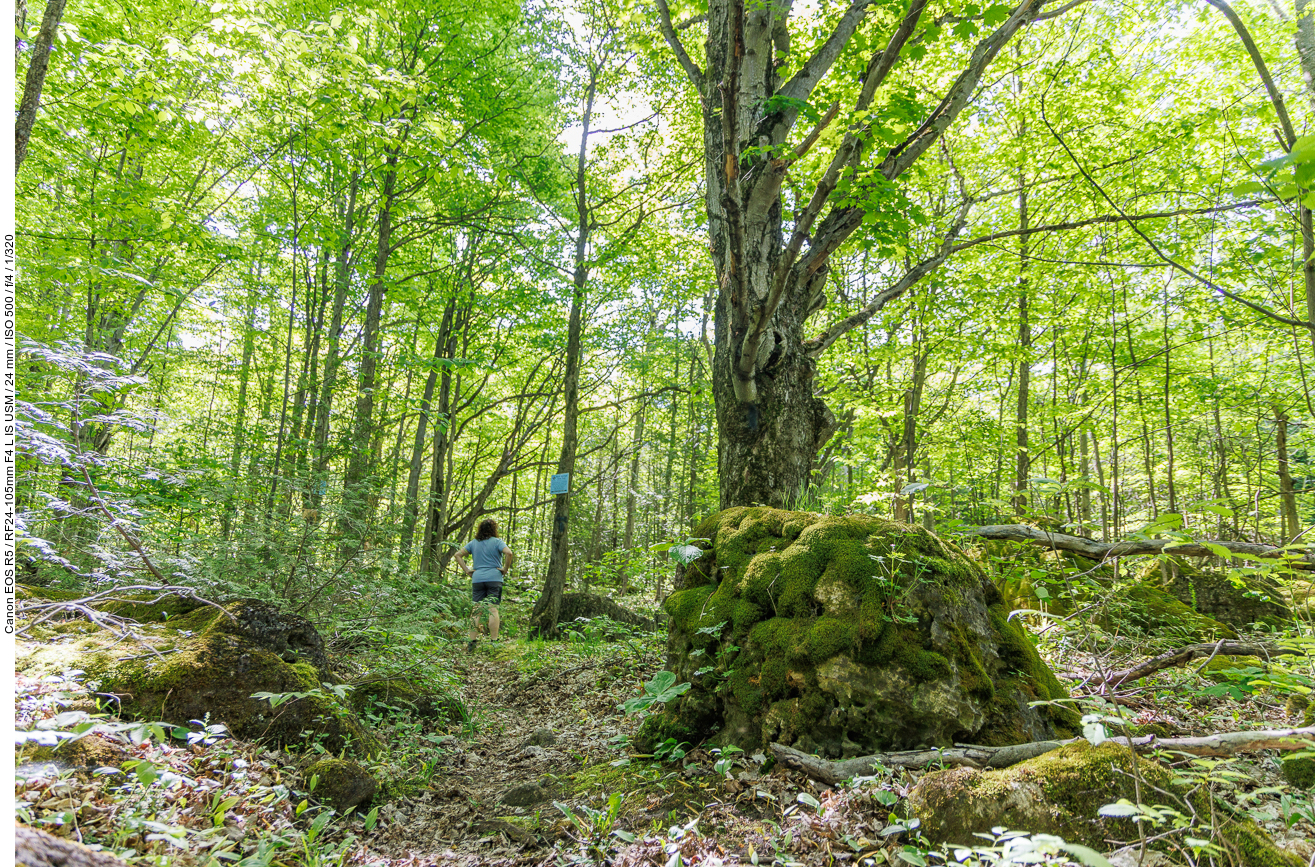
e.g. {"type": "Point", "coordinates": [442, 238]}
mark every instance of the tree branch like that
{"type": "Point", "coordinates": [692, 70]}
{"type": "Point", "coordinates": [1101, 551]}
{"type": "Point", "coordinates": [1220, 745]}
{"type": "Point", "coordinates": [1173, 263]}
{"type": "Point", "coordinates": [819, 344]}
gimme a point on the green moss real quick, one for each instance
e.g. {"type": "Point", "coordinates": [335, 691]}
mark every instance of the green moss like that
{"type": "Point", "coordinates": [827, 637]}
{"type": "Point", "coordinates": [1300, 772]}
{"type": "Point", "coordinates": [748, 691]}
{"type": "Point", "coordinates": [772, 677]}
{"type": "Point", "coordinates": [1223, 668]}
{"type": "Point", "coordinates": [341, 783]}
{"type": "Point", "coordinates": [1147, 609]}
{"type": "Point", "coordinates": [1251, 847]}
{"type": "Point", "coordinates": [685, 606]}
{"type": "Point", "coordinates": [820, 606]}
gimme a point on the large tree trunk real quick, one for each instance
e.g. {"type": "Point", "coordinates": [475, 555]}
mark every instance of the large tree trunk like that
{"type": "Point", "coordinates": [771, 423]}
{"type": "Point", "coordinates": [765, 448]}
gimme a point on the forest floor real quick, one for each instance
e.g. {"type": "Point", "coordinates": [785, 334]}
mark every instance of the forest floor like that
{"type": "Point", "coordinates": [546, 715]}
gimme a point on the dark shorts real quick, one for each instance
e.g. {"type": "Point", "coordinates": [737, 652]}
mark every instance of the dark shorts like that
{"type": "Point", "coordinates": [486, 591]}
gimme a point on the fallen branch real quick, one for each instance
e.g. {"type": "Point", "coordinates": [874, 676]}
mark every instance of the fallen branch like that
{"type": "Point", "coordinates": [1101, 551]}
{"type": "Point", "coordinates": [966, 755]}
{"type": "Point", "coordinates": [1184, 655]}
{"type": "Point", "coordinates": [38, 611]}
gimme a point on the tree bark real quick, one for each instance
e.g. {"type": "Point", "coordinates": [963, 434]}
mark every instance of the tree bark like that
{"type": "Point", "coordinates": [771, 422]}
{"type": "Point", "coordinates": [1184, 655]}
{"type": "Point", "coordinates": [36, 80]}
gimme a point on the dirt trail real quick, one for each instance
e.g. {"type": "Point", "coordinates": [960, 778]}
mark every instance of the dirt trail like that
{"type": "Point", "coordinates": [460, 818]}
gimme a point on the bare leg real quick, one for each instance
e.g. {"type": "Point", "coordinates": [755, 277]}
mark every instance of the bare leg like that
{"type": "Point", "coordinates": [474, 623]}
{"type": "Point", "coordinates": [494, 622]}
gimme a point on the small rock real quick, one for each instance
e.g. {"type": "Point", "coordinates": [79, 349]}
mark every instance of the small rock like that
{"type": "Point", "coordinates": [542, 737]}
{"type": "Point", "coordinates": [343, 784]}
{"type": "Point", "coordinates": [537, 753]}
{"type": "Point", "coordinates": [36, 848]}
{"type": "Point", "coordinates": [525, 795]}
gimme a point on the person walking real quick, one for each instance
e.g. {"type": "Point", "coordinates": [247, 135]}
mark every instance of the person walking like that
{"type": "Point", "coordinates": [492, 560]}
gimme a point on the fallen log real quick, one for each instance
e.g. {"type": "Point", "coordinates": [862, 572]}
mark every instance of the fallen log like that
{"type": "Point", "coordinates": [1184, 655]}
{"type": "Point", "coordinates": [1227, 744]}
{"type": "Point", "coordinates": [1102, 551]}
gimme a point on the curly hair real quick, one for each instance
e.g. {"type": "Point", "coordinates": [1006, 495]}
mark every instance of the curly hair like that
{"type": "Point", "coordinates": [488, 528]}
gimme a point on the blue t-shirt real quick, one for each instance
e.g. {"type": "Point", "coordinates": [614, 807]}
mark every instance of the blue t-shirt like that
{"type": "Point", "coordinates": [487, 557]}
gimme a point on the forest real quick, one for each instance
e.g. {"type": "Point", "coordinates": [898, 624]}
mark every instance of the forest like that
{"type": "Point", "coordinates": [900, 412]}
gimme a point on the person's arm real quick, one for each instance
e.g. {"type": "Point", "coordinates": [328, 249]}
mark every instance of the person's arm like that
{"type": "Point", "coordinates": [508, 558]}
{"type": "Point", "coordinates": [462, 554]}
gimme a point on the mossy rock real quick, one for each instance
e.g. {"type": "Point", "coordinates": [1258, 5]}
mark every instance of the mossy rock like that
{"type": "Point", "coordinates": [342, 784]}
{"type": "Point", "coordinates": [1226, 668]}
{"type": "Point", "coordinates": [402, 693]}
{"type": "Point", "coordinates": [1231, 599]}
{"type": "Point", "coordinates": [1145, 608]}
{"type": "Point", "coordinates": [591, 605]}
{"type": "Point", "coordinates": [1300, 772]}
{"type": "Point", "coordinates": [89, 751]}
{"type": "Point", "coordinates": [1061, 793]}
{"type": "Point", "coordinates": [846, 636]}
{"type": "Point", "coordinates": [208, 664]}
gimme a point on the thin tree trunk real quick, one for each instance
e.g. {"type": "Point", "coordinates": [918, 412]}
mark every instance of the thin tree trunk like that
{"type": "Point", "coordinates": [356, 478]}
{"type": "Point", "coordinates": [1286, 488]}
{"type": "Point", "coordinates": [543, 619]}
{"type": "Point", "coordinates": [36, 80]}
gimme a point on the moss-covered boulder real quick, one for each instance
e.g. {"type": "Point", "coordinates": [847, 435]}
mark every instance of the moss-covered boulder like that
{"type": "Point", "coordinates": [209, 663]}
{"type": "Point", "coordinates": [591, 605]}
{"type": "Point", "coordinates": [1062, 792]}
{"type": "Point", "coordinates": [400, 693]}
{"type": "Point", "coordinates": [1227, 597]}
{"type": "Point", "coordinates": [1144, 608]}
{"type": "Point", "coordinates": [846, 636]}
{"type": "Point", "coordinates": [92, 750]}
{"type": "Point", "coordinates": [341, 783]}
{"type": "Point", "coordinates": [1299, 771]}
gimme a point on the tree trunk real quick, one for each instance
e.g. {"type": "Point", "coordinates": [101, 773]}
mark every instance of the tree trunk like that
{"type": "Point", "coordinates": [333, 358]}
{"type": "Point", "coordinates": [411, 508]}
{"type": "Point", "coordinates": [636, 448]}
{"type": "Point", "coordinates": [356, 498]}
{"type": "Point", "coordinates": [543, 619]}
{"type": "Point", "coordinates": [771, 423]}
{"type": "Point", "coordinates": [1286, 489]}
{"type": "Point", "coordinates": [36, 80]}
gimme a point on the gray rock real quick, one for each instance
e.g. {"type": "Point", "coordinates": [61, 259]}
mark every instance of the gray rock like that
{"type": "Point", "coordinates": [36, 848]}
{"type": "Point", "coordinates": [342, 784]}
{"type": "Point", "coordinates": [525, 795]}
{"type": "Point", "coordinates": [542, 737]}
